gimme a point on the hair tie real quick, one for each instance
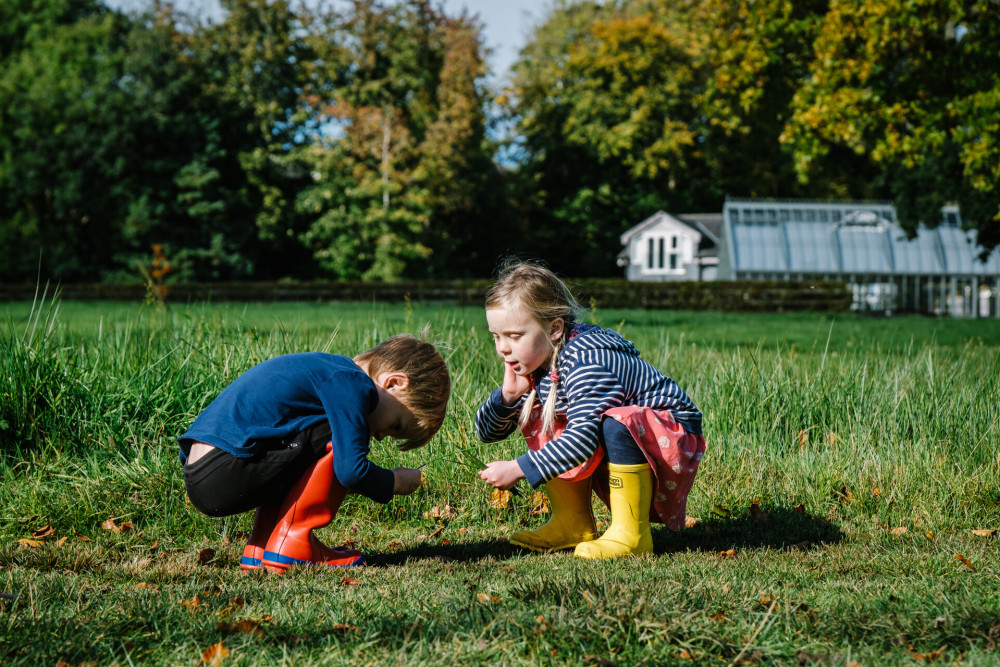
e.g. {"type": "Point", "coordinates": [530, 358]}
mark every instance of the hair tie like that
{"type": "Point", "coordinates": [554, 375]}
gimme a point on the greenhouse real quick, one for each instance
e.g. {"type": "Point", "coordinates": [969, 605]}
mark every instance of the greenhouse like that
{"type": "Point", "coordinates": [939, 271]}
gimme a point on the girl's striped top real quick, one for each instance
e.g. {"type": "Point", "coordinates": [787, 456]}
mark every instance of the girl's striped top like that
{"type": "Point", "coordinates": [598, 370]}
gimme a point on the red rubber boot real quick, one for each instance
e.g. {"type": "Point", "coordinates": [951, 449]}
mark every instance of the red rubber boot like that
{"type": "Point", "coordinates": [263, 526]}
{"type": "Point", "coordinates": [312, 503]}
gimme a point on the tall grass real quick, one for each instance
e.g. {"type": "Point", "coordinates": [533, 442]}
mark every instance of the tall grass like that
{"type": "Point", "coordinates": [848, 462]}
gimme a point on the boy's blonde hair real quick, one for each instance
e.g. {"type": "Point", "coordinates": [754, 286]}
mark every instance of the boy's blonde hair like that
{"type": "Point", "coordinates": [426, 395]}
{"type": "Point", "coordinates": [545, 297]}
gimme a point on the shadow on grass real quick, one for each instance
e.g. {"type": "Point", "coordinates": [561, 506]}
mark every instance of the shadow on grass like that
{"type": "Point", "coordinates": [458, 552]}
{"type": "Point", "coordinates": [777, 528]}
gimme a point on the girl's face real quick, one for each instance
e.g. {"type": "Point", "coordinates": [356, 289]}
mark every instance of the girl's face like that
{"type": "Point", "coordinates": [522, 342]}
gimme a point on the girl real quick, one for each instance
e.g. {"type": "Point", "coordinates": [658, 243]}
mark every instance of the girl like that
{"type": "Point", "coordinates": [581, 393]}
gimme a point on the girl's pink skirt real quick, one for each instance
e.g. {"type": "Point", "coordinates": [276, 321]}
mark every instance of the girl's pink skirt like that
{"type": "Point", "coordinates": [672, 453]}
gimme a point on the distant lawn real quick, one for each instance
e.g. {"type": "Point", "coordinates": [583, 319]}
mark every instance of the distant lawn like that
{"type": "Point", "coordinates": [845, 513]}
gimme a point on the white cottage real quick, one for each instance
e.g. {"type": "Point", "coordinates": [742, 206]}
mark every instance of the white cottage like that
{"type": "Point", "coordinates": [666, 247]}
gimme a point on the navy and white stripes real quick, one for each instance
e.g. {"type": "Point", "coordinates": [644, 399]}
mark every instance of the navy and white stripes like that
{"type": "Point", "coordinates": [599, 370]}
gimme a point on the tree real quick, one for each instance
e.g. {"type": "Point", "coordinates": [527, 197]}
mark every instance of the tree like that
{"type": "Point", "coordinates": [911, 87]}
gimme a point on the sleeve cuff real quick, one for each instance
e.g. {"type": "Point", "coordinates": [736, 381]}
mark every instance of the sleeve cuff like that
{"type": "Point", "coordinates": [530, 470]}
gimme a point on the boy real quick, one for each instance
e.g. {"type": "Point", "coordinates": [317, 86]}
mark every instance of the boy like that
{"type": "Point", "coordinates": [291, 436]}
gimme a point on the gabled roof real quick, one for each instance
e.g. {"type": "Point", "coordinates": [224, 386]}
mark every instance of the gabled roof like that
{"type": "Point", "coordinates": [661, 216]}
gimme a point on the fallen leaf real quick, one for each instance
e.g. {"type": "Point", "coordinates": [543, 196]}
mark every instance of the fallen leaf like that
{"type": "Point", "coordinates": [978, 532]}
{"type": "Point", "coordinates": [142, 584]}
{"type": "Point", "coordinates": [152, 547]}
{"type": "Point", "coordinates": [803, 438]}
{"type": "Point", "coordinates": [800, 509]}
{"type": "Point", "coordinates": [344, 628]}
{"type": "Point", "coordinates": [245, 627]}
{"type": "Point", "coordinates": [111, 526]}
{"type": "Point", "coordinates": [485, 597]}
{"type": "Point", "coordinates": [832, 438]}
{"type": "Point", "coordinates": [192, 604]}
{"type": "Point", "coordinates": [540, 503]}
{"type": "Point", "coordinates": [728, 553]}
{"type": "Point", "coordinates": [81, 537]}
{"type": "Point", "coordinates": [691, 522]}
{"type": "Point", "coordinates": [437, 512]}
{"type": "Point", "coordinates": [61, 541]}
{"type": "Point", "coordinates": [589, 597]}
{"type": "Point", "coordinates": [126, 527]}
{"type": "Point", "coordinates": [349, 582]}
{"type": "Point", "coordinates": [925, 657]}
{"type": "Point", "coordinates": [966, 562]}
{"type": "Point", "coordinates": [395, 545]}
{"type": "Point", "coordinates": [499, 499]}
{"type": "Point", "coordinates": [929, 534]}
{"type": "Point", "coordinates": [42, 532]}
{"type": "Point", "coordinates": [899, 530]}
{"type": "Point", "coordinates": [214, 654]}
{"type": "Point", "coordinates": [685, 655]}
{"type": "Point", "coordinates": [205, 555]}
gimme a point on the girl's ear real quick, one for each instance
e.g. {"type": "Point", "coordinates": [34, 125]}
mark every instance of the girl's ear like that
{"type": "Point", "coordinates": [556, 328]}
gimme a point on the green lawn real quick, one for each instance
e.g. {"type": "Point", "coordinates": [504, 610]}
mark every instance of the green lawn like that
{"type": "Point", "coordinates": [843, 509]}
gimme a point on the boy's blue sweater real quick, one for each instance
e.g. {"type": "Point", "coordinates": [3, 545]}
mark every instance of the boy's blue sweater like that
{"type": "Point", "coordinates": [282, 396]}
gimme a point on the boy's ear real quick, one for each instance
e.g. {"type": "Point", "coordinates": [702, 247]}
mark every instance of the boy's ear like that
{"type": "Point", "coordinates": [395, 380]}
{"type": "Point", "coordinates": [556, 329]}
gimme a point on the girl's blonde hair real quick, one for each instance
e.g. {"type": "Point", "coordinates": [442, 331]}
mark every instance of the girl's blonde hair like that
{"type": "Point", "coordinates": [546, 298]}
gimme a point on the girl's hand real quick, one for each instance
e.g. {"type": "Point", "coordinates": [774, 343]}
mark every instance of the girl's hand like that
{"type": "Point", "coordinates": [407, 480]}
{"type": "Point", "coordinates": [502, 474]}
{"type": "Point", "coordinates": [514, 386]}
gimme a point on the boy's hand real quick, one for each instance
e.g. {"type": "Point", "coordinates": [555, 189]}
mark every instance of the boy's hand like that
{"type": "Point", "coordinates": [514, 386]}
{"type": "Point", "coordinates": [407, 481]}
{"type": "Point", "coordinates": [502, 474]}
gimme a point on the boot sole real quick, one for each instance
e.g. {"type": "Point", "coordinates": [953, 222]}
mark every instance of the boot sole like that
{"type": "Point", "coordinates": [279, 562]}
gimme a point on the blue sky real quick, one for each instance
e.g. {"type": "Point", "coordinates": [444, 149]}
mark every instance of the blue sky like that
{"type": "Point", "coordinates": [506, 22]}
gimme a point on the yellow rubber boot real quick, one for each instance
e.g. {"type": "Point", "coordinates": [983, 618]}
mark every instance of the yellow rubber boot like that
{"type": "Point", "coordinates": [631, 488]}
{"type": "Point", "coordinates": [572, 519]}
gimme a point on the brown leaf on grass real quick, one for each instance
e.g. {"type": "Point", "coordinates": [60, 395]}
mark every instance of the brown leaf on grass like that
{"type": "Point", "coordinates": [344, 628]}
{"type": "Point", "coordinates": [933, 656]}
{"type": "Point", "coordinates": [832, 438]}
{"type": "Point", "coordinates": [757, 514]}
{"type": "Point", "coordinates": [42, 532]}
{"type": "Point", "coordinates": [126, 527]}
{"type": "Point", "coordinates": [193, 604]}
{"type": "Point", "coordinates": [111, 526]}
{"type": "Point", "coordinates": [142, 584]}
{"type": "Point", "coordinates": [437, 512]}
{"type": "Point", "coordinates": [803, 438]}
{"type": "Point", "coordinates": [31, 544]}
{"type": "Point", "coordinates": [349, 582]}
{"type": "Point", "coordinates": [394, 544]}
{"type": "Point", "coordinates": [152, 547]}
{"type": "Point", "coordinates": [899, 530]}
{"type": "Point", "coordinates": [589, 597]}
{"type": "Point", "coordinates": [540, 503]}
{"type": "Point", "coordinates": [245, 627]}
{"type": "Point", "coordinates": [690, 521]}
{"type": "Point", "coordinates": [728, 553]}
{"type": "Point", "coordinates": [214, 654]}
{"type": "Point", "coordinates": [500, 499]}
{"type": "Point", "coordinates": [843, 494]}
{"type": "Point", "coordinates": [61, 541]}
{"type": "Point", "coordinates": [800, 509]}
{"type": "Point", "coordinates": [486, 597]}
{"type": "Point", "coordinates": [984, 532]}
{"type": "Point", "coordinates": [81, 537]}
{"type": "Point", "coordinates": [205, 555]}
{"type": "Point", "coordinates": [685, 655]}
{"type": "Point", "coordinates": [966, 562]}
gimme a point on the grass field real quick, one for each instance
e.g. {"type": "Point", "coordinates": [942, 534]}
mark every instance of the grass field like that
{"type": "Point", "coordinates": [846, 509]}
